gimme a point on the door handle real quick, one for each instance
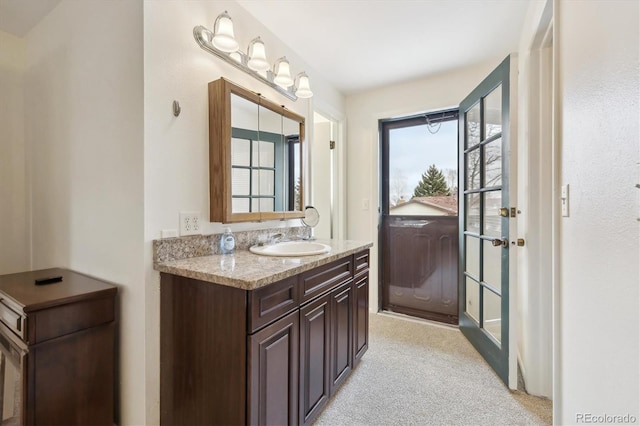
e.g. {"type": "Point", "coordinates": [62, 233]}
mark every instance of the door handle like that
{"type": "Point", "coordinates": [498, 242]}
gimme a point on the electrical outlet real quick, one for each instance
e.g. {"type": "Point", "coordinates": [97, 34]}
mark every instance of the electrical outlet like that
{"type": "Point", "coordinates": [189, 223]}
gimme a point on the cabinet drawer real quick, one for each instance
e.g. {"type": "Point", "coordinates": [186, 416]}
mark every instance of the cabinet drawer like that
{"type": "Point", "coordinates": [269, 303]}
{"type": "Point", "coordinates": [12, 319]}
{"type": "Point", "coordinates": [323, 278]}
{"type": "Point", "coordinates": [361, 261]}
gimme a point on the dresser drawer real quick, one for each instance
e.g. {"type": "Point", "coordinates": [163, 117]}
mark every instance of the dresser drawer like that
{"type": "Point", "coordinates": [60, 320]}
{"type": "Point", "coordinates": [269, 303]}
{"type": "Point", "coordinates": [323, 278]}
{"type": "Point", "coordinates": [12, 318]}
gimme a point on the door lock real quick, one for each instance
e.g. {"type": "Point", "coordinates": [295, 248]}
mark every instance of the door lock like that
{"type": "Point", "coordinates": [497, 242]}
{"type": "Point", "coordinates": [508, 212]}
{"type": "Point", "coordinates": [519, 242]}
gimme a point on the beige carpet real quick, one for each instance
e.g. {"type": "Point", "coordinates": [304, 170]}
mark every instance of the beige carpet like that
{"type": "Point", "coordinates": [415, 373]}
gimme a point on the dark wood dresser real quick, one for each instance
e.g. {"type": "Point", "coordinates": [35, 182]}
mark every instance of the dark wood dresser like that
{"type": "Point", "coordinates": [57, 349]}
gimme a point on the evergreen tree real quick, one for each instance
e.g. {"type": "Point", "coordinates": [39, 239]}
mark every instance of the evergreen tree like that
{"type": "Point", "coordinates": [433, 183]}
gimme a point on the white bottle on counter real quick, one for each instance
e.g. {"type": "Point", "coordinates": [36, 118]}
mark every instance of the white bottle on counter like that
{"type": "Point", "coordinates": [227, 242]}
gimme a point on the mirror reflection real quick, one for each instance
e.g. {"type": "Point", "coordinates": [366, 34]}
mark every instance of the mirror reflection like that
{"type": "Point", "coordinates": [255, 157]}
{"type": "Point", "coordinates": [265, 159]}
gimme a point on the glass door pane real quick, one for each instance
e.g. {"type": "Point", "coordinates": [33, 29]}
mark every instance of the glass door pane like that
{"type": "Point", "coordinates": [492, 112]}
{"type": "Point", "coordinates": [492, 318]}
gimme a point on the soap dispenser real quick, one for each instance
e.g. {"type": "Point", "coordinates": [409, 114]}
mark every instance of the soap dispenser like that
{"type": "Point", "coordinates": [227, 242]}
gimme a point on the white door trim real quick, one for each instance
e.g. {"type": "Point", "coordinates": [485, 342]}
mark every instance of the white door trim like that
{"type": "Point", "coordinates": [536, 203]}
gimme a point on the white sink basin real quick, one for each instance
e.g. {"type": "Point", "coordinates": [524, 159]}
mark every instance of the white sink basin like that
{"type": "Point", "coordinates": [291, 248]}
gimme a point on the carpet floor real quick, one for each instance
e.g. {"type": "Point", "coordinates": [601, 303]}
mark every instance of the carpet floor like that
{"type": "Point", "coordinates": [416, 373]}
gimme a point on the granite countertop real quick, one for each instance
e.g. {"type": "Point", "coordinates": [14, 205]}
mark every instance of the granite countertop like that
{"type": "Point", "coordinates": [249, 271]}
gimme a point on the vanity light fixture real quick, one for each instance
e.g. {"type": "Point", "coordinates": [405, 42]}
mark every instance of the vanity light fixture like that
{"type": "Point", "coordinates": [302, 86]}
{"type": "Point", "coordinates": [257, 56]}
{"type": "Point", "coordinates": [222, 43]}
{"type": "Point", "coordinates": [223, 37]}
{"type": "Point", "coordinates": [283, 73]}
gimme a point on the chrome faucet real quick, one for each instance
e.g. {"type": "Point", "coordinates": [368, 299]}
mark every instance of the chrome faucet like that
{"type": "Point", "coordinates": [275, 238]}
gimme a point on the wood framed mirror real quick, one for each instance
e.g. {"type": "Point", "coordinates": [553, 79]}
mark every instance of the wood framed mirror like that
{"type": "Point", "coordinates": [255, 157]}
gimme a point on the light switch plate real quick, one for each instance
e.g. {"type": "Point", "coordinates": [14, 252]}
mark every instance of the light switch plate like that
{"type": "Point", "coordinates": [564, 200]}
{"type": "Point", "coordinates": [169, 233]}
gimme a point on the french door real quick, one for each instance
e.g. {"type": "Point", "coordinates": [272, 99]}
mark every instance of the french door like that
{"type": "Point", "coordinates": [487, 296]}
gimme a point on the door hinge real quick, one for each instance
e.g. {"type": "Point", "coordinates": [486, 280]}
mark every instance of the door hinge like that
{"type": "Point", "coordinates": [332, 144]}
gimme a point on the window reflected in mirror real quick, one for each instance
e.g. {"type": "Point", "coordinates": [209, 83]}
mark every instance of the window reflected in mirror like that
{"type": "Point", "coordinates": [265, 159]}
{"type": "Point", "coordinates": [262, 175]}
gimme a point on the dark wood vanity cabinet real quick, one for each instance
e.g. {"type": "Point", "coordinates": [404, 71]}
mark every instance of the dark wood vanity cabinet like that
{"type": "Point", "coordinates": [341, 334]}
{"type": "Point", "coordinates": [278, 353]}
{"type": "Point", "coordinates": [361, 306]}
{"type": "Point", "coordinates": [315, 357]}
{"type": "Point", "coordinates": [273, 373]}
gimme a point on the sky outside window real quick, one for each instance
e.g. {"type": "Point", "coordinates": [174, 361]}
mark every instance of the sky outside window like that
{"type": "Point", "coordinates": [413, 149]}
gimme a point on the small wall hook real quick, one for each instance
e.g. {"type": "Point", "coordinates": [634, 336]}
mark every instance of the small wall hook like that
{"type": "Point", "coordinates": [176, 108]}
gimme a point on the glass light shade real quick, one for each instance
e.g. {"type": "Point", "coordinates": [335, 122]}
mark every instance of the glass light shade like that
{"type": "Point", "coordinates": [303, 90]}
{"type": "Point", "coordinates": [223, 37]}
{"type": "Point", "coordinates": [283, 73]}
{"type": "Point", "coordinates": [257, 55]}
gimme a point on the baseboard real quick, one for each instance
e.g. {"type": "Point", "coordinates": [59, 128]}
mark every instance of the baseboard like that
{"type": "Point", "coordinates": [417, 320]}
{"type": "Point", "coordinates": [522, 384]}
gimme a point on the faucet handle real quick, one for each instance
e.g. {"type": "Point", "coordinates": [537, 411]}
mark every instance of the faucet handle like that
{"type": "Point", "coordinates": [274, 238]}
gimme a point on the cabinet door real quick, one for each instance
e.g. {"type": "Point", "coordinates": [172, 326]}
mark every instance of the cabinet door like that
{"type": "Point", "coordinates": [273, 373]}
{"type": "Point", "coordinates": [361, 317]}
{"type": "Point", "coordinates": [315, 340]}
{"type": "Point", "coordinates": [341, 334]}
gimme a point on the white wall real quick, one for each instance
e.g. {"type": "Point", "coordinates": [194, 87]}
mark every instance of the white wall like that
{"type": "Point", "coordinates": [176, 148]}
{"type": "Point", "coordinates": [84, 130]}
{"type": "Point", "coordinates": [432, 93]}
{"type": "Point", "coordinates": [14, 208]}
{"type": "Point", "coordinates": [597, 357]}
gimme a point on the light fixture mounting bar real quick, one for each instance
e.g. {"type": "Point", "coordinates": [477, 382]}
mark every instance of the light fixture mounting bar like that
{"type": "Point", "coordinates": [203, 37]}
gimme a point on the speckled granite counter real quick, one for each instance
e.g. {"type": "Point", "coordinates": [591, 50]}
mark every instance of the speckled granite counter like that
{"type": "Point", "coordinates": [249, 271]}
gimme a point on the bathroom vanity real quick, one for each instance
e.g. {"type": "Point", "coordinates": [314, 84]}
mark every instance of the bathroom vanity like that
{"type": "Point", "coordinates": [249, 339]}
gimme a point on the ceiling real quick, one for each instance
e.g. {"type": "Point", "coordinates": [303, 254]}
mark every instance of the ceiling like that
{"type": "Point", "coordinates": [358, 45]}
{"type": "Point", "coordinates": [17, 17]}
{"type": "Point", "coordinates": [362, 44]}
